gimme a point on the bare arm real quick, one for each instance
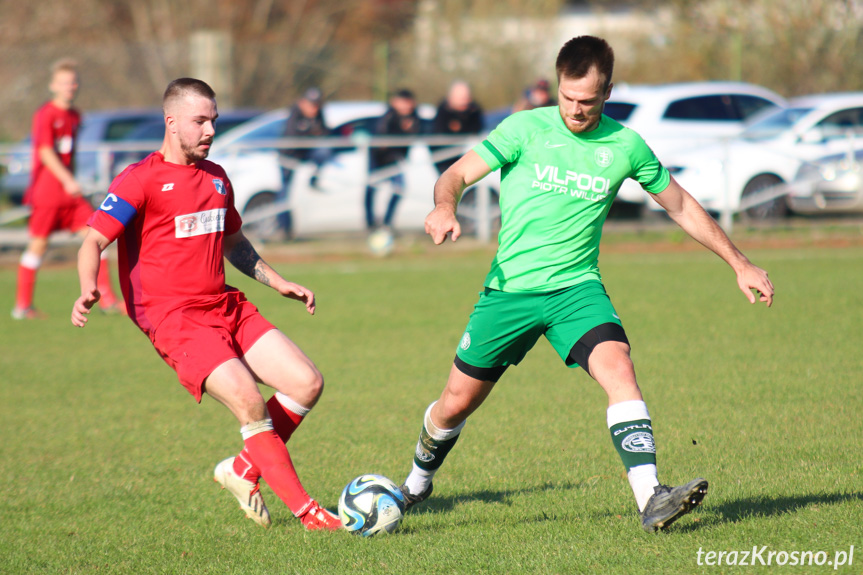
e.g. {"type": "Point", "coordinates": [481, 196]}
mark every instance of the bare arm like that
{"type": "Point", "coordinates": [691, 217]}
{"type": "Point", "coordinates": [243, 256]}
{"type": "Point", "coordinates": [88, 270]}
{"type": "Point", "coordinates": [52, 161]}
{"type": "Point", "coordinates": [468, 170]}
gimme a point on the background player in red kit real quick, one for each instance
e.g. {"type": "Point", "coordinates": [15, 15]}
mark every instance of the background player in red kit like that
{"type": "Point", "coordinates": [174, 215]}
{"type": "Point", "coordinates": [54, 195]}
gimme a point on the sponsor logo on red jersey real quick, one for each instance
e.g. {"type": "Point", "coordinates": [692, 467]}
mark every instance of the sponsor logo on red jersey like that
{"type": "Point", "coordinates": [200, 223]}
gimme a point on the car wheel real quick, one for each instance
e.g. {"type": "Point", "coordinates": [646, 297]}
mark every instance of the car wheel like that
{"type": "Point", "coordinates": [771, 209]}
{"type": "Point", "coordinates": [260, 221]}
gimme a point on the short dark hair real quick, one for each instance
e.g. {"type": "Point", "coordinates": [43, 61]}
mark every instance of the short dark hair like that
{"type": "Point", "coordinates": [582, 53]}
{"type": "Point", "coordinates": [185, 86]}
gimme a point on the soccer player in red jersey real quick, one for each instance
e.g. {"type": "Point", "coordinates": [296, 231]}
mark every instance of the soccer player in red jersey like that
{"type": "Point", "coordinates": [173, 214]}
{"type": "Point", "coordinates": [54, 195]}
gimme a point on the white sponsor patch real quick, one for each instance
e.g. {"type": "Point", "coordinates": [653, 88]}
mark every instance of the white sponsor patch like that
{"type": "Point", "coordinates": [200, 223]}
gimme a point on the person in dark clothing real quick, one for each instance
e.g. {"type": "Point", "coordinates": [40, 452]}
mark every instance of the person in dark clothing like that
{"type": "Point", "coordinates": [306, 120]}
{"type": "Point", "coordinates": [400, 119]}
{"type": "Point", "coordinates": [457, 114]}
{"type": "Point", "coordinates": [536, 96]}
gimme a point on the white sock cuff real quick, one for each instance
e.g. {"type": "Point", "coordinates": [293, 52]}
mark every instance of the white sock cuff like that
{"type": "Point", "coordinates": [292, 405]}
{"type": "Point", "coordinates": [31, 261]}
{"type": "Point", "coordinates": [642, 479]}
{"type": "Point", "coordinates": [256, 427]}
{"type": "Point", "coordinates": [626, 411]}
{"type": "Point", "coordinates": [437, 433]}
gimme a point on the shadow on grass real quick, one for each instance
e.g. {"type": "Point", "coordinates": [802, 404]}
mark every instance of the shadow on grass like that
{"type": "Point", "coordinates": [757, 507]}
{"type": "Point", "coordinates": [440, 502]}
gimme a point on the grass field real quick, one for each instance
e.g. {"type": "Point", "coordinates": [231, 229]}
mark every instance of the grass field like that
{"type": "Point", "coordinates": [107, 462]}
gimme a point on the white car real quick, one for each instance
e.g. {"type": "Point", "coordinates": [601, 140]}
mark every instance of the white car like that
{"type": "Point", "coordinates": [747, 173]}
{"type": "Point", "coordinates": [250, 156]}
{"type": "Point", "coordinates": [832, 184]}
{"type": "Point", "coordinates": [675, 117]}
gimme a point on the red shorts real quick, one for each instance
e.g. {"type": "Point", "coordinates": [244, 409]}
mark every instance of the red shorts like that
{"type": "Point", "coordinates": [71, 215]}
{"type": "Point", "coordinates": [196, 339]}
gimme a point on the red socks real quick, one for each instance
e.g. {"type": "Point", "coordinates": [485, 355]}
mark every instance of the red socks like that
{"type": "Point", "coordinates": [285, 422]}
{"type": "Point", "coordinates": [271, 456]}
{"type": "Point", "coordinates": [26, 286]}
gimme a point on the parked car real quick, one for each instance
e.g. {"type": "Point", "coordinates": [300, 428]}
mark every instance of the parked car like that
{"type": "Point", "coordinates": [832, 184]}
{"type": "Point", "coordinates": [674, 117]}
{"type": "Point", "coordinates": [15, 172]}
{"type": "Point", "coordinates": [746, 173]}
{"type": "Point", "coordinates": [336, 202]}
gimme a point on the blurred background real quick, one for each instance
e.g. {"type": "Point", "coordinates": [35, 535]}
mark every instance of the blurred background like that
{"type": "Point", "coordinates": [261, 56]}
{"type": "Point", "coordinates": [264, 53]}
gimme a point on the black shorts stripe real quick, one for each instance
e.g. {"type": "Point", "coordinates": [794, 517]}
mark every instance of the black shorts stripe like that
{"type": "Point", "coordinates": [492, 374]}
{"type": "Point", "coordinates": [580, 352]}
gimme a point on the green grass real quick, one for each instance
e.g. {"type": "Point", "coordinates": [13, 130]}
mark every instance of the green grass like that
{"type": "Point", "coordinates": [106, 461]}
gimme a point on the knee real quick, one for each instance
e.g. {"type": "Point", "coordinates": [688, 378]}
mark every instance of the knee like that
{"type": "Point", "coordinates": [249, 407]}
{"type": "Point", "coordinates": [309, 385]}
{"type": "Point", "coordinates": [611, 358]}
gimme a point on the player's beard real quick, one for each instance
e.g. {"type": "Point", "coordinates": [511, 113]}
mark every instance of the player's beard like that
{"type": "Point", "coordinates": [589, 122]}
{"type": "Point", "coordinates": [194, 152]}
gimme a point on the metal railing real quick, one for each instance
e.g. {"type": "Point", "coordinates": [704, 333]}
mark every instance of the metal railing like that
{"type": "Point", "coordinates": [96, 181]}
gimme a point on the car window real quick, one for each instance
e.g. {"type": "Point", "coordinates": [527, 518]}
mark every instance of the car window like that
{"type": "Point", "coordinates": [147, 131]}
{"type": "Point", "coordinates": [270, 131]}
{"type": "Point", "coordinates": [119, 129]}
{"type": "Point", "coordinates": [364, 126]}
{"type": "Point", "coordinates": [620, 111]}
{"type": "Point", "coordinates": [715, 108]}
{"type": "Point", "coordinates": [842, 123]}
{"type": "Point", "coordinates": [225, 124]}
{"type": "Point", "coordinates": [747, 105]}
{"type": "Point", "coordinates": [772, 125]}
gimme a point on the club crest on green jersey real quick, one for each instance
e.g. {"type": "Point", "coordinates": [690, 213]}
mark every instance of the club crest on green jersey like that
{"type": "Point", "coordinates": [603, 157]}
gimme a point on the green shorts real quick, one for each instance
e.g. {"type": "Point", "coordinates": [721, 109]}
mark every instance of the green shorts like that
{"type": "Point", "coordinates": [505, 326]}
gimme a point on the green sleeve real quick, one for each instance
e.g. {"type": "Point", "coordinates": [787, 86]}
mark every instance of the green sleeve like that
{"type": "Point", "coordinates": [504, 144]}
{"type": "Point", "coordinates": [647, 169]}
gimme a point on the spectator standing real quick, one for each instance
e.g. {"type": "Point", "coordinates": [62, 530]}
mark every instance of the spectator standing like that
{"type": "Point", "coordinates": [400, 119]}
{"type": "Point", "coordinates": [457, 114]}
{"type": "Point", "coordinates": [535, 96]}
{"type": "Point", "coordinates": [306, 120]}
{"type": "Point", "coordinates": [55, 196]}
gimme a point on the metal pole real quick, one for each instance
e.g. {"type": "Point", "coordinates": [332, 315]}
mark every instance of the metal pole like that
{"type": "Point", "coordinates": [726, 216]}
{"type": "Point", "coordinates": [483, 212]}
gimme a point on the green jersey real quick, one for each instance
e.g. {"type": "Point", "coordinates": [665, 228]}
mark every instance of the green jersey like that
{"type": "Point", "coordinates": [555, 192]}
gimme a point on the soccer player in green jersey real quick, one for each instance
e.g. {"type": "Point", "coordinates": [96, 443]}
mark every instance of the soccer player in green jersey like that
{"type": "Point", "coordinates": [561, 167]}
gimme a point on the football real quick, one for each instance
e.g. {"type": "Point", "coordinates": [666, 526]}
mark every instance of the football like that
{"type": "Point", "coordinates": [371, 504]}
{"type": "Point", "coordinates": [381, 242]}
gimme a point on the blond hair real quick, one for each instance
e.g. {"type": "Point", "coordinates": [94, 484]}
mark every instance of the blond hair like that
{"type": "Point", "coordinates": [64, 65]}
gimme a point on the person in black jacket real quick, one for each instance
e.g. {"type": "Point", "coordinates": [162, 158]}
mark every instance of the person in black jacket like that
{"type": "Point", "coordinates": [306, 120]}
{"type": "Point", "coordinates": [457, 114]}
{"type": "Point", "coordinates": [400, 119]}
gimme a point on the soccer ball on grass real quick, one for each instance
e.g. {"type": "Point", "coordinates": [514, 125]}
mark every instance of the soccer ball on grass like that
{"type": "Point", "coordinates": [371, 504]}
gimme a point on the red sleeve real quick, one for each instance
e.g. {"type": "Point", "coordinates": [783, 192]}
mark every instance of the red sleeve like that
{"type": "Point", "coordinates": [233, 221]}
{"type": "Point", "coordinates": [41, 133]}
{"type": "Point", "coordinates": [121, 206]}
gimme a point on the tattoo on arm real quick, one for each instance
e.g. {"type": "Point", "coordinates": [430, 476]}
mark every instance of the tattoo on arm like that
{"type": "Point", "coordinates": [245, 258]}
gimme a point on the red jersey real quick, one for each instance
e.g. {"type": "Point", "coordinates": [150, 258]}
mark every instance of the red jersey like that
{"type": "Point", "coordinates": [170, 220]}
{"type": "Point", "coordinates": [58, 128]}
